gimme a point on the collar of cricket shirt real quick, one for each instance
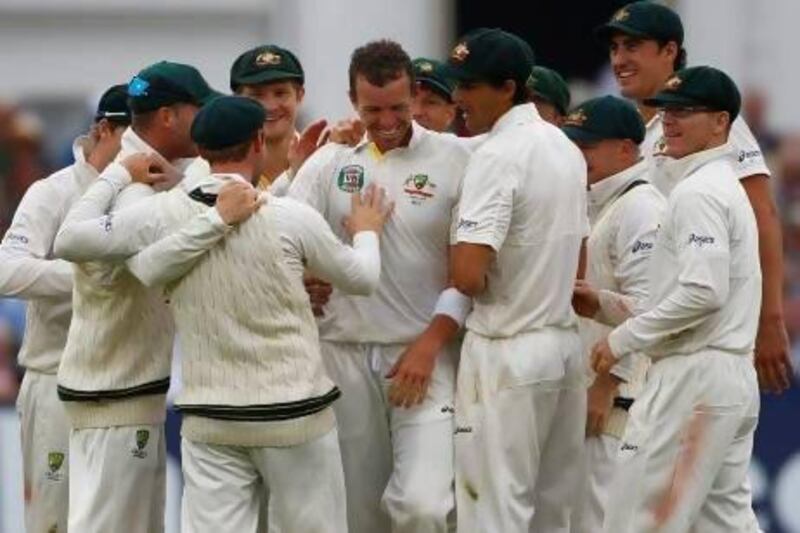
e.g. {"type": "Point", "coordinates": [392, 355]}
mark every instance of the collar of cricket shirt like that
{"type": "Point", "coordinates": [85, 173]}
{"type": "Point", "coordinates": [417, 134]}
{"type": "Point", "coordinates": [605, 191]}
{"type": "Point", "coordinates": [519, 114]}
{"type": "Point", "coordinates": [680, 169]}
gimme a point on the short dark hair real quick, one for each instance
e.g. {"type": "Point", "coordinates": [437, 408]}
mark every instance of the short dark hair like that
{"type": "Point", "coordinates": [380, 62]}
{"type": "Point", "coordinates": [521, 94]}
{"type": "Point", "coordinates": [229, 154]}
{"type": "Point", "coordinates": [680, 58]}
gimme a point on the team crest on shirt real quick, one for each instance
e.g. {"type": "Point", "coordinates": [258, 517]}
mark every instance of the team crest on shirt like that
{"type": "Point", "coordinates": [620, 15]}
{"type": "Point", "coordinates": [419, 188]}
{"type": "Point", "coordinates": [460, 52]}
{"type": "Point", "coordinates": [55, 460]}
{"type": "Point", "coordinates": [268, 59]}
{"type": "Point", "coordinates": [351, 178]}
{"type": "Point", "coordinates": [142, 437]}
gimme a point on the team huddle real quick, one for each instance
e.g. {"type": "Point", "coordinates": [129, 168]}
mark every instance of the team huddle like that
{"type": "Point", "coordinates": [547, 326]}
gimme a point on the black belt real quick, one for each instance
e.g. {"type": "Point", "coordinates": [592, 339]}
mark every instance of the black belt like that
{"type": "Point", "coordinates": [623, 403]}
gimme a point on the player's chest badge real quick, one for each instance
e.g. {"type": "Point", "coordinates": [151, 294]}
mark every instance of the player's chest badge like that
{"type": "Point", "coordinates": [351, 178]}
{"type": "Point", "coordinates": [419, 188]}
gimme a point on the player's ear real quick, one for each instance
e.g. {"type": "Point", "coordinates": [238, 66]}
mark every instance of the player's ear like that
{"type": "Point", "coordinates": [300, 91]}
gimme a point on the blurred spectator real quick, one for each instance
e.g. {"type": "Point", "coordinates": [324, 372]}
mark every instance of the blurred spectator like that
{"type": "Point", "coordinates": [20, 158]}
{"type": "Point", "coordinates": [754, 109]}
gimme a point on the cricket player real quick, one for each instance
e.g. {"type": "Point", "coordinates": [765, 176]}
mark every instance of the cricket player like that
{"type": "Point", "coordinates": [392, 354]}
{"type": "Point", "coordinates": [276, 436]}
{"type": "Point", "coordinates": [433, 106]}
{"type": "Point", "coordinates": [274, 76]}
{"type": "Point", "coordinates": [114, 373]}
{"type": "Point", "coordinates": [645, 46]}
{"type": "Point", "coordinates": [28, 270]}
{"type": "Point", "coordinates": [624, 213]}
{"type": "Point", "coordinates": [686, 450]}
{"type": "Point", "coordinates": [521, 398]}
{"type": "Point", "coordinates": [549, 93]}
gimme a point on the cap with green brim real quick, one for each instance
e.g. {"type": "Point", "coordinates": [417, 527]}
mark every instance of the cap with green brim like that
{"type": "Point", "coordinates": [702, 86]}
{"type": "Point", "coordinates": [489, 54]}
{"type": "Point", "coordinates": [548, 85]}
{"type": "Point", "coordinates": [265, 64]}
{"type": "Point", "coordinates": [645, 20]}
{"type": "Point", "coordinates": [227, 121]}
{"type": "Point", "coordinates": [431, 73]}
{"type": "Point", "coordinates": [113, 105]}
{"type": "Point", "coordinates": [604, 118]}
{"type": "Point", "coordinates": [166, 83]}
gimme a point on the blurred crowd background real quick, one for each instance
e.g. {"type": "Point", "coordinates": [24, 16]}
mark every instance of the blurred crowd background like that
{"type": "Point", "coordinates": [56, 58]}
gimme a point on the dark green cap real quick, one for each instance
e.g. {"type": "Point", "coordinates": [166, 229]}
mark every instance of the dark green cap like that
{"type": "Point", "coordinates": [646, 20]}
{"type": "Point", "coordinates": [265, 64]}
{"type": "Point", "coordinates": [431, 73]}
{"type": "Point", "coordinates": [227, 121]}
{"type": "Point", "coordinates": [490, 54]}
{"type": "Point", "coordinates": [166, 83]}
{"type": "Point", "coordinates": [604, 118]}
{"type": "Point", "coordinates": [699, 87]}
{"type": "Point", "coordinates": [113, 105]}
{"type": "Point", "coordinates": [548, 85]}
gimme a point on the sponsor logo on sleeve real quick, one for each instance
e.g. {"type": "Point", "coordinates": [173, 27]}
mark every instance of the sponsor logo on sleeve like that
{"type": "Point", "coordinates": [640, 246]}
{"type": "Point", "coordinates": [16, 238]}
{"type": "Point", "coordinates": [700, 240]}
{"type": "Point", "coordinates": [464, 223]}
{"type": "Point", "coordinates": [744, 155]}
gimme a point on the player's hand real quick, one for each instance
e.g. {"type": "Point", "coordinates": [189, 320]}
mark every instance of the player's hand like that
{"type": "Point", "coordinates": [163, 173]}
{"type": "Point", "coordinates": [600, 399]}
{"type": "Point", "coordinates": [603, 359]}
{"type": "Point", "coordinates": [301, 148]}
{"type": "Point", "coordinates": [236, 201]}
{"type": "Point", "coordinates": [584, 299]}
{"type": "Point", "coordinates": [348, 131]}
{"type": "Point", "coordinates": [368, 212]}
{"type": "Point", "coordinates": [142, 168]}
{"type": "Point", "coordinates": [319, 292]}
{"type": "Point", "coordinates": [773, 364]}
{"type": "Point", "coordinates": [411, 374]}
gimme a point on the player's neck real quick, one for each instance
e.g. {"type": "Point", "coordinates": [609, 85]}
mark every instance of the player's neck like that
{"type": "Point", "coordinates": [242, 168]}
{"type": "Point", "coordinates": [277, 156]}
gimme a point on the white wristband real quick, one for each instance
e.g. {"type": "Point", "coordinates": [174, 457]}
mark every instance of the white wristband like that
{"type": "Point", "coordinates": [454, 304]}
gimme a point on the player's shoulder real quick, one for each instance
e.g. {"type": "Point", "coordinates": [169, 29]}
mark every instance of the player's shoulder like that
{"type": "Point", "coordinates": [288, 210]}
{"type": "Point", "coordinates": [444, 141]}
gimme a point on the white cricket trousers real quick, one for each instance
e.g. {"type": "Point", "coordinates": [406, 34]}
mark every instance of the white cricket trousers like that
{"type": "Point", "coordinates": [44, 429]}
{"type": "Point", "coordinates": [398, 463]}
{"type": "Point", "coordinates": [117, 479]}
{"type": "Point", "coordinates": [520, 423]}
{"type": "Point", "coordinates": [223, 487]}
{"type": "Point", "coordinates": [685, 454]}
{"type": "Point", "coordinates": [600, 465]}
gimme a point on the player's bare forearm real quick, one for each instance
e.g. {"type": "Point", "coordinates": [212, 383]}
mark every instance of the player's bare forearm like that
{"type": "Point", "coordinates": [469, 267]}
{"type": "Point", "coordinates": [772, 344]}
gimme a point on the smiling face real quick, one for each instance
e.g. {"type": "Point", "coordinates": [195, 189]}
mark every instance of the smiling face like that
{"type": "Point", "coordinates": [640, 66]}
{"type": "Point", "coordinates": [607, 157]}
{"type": "Point", "coordinates": [687, 131]}
{"type": "Point", "coordinates": [385, 110]}
{"type": "Point", "coordinates": [483, 103]}
{"type": "Point", "coordinates": [281, 99]}
{"type": "Point", "coordinates": [431, 110]}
